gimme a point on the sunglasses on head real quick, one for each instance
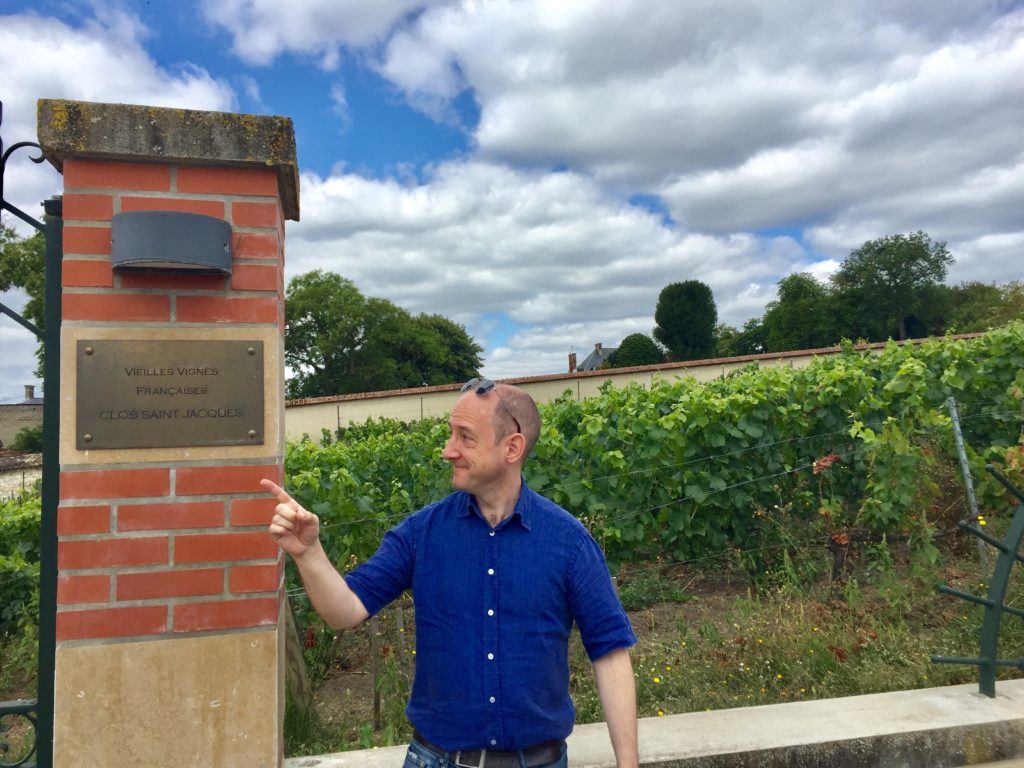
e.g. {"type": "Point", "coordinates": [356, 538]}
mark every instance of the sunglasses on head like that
{"type": "Point", "coordinates": [482, 387]}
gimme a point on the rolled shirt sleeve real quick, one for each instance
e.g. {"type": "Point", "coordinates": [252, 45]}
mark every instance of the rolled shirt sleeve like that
{"type": "Point", "coordinates": [388, 573]}
{"type": "Point", "coordinates": [596, 608]}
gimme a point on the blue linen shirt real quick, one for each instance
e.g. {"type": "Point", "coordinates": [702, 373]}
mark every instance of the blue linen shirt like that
{"type": "Point", "coordinates": [494, 609]}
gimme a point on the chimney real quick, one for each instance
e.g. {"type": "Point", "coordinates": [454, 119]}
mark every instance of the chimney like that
{"type": "Point", "coordinates": [30, 391]}
{"type": "Point", "coordinates": [597, 347]}
{"type": "Point", "coordinates": [572, 362]}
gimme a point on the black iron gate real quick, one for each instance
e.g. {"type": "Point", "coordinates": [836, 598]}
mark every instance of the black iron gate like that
{"type": "Point", "coordinates": [37, 714]}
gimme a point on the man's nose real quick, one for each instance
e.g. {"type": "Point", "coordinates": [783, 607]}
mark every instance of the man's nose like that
{"type": "Point", "coordinates": [449, 452]}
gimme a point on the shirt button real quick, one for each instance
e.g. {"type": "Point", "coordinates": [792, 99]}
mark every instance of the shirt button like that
{"type": "Point", "coordinates": [490, 611]}
{"type": "Point", "coordinates": [493, 742]}
{"type": "Point", "coordinates": [493, 699]}
{"type": "Point", "coordinates": [490, 657]}
{"type": "Point", "coordinates": [490, 571]}
{"type": "Point", "coordinates": [492, 533]}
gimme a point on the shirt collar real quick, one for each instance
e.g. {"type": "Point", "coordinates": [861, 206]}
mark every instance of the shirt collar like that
{"type": "Point", "coordinates": [523, 508]}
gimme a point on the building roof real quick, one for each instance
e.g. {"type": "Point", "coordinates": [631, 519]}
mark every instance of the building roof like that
{"type": "Point", "coordinates": [597, 358]}
{"type": "Point", "coordinates": [31, 401]}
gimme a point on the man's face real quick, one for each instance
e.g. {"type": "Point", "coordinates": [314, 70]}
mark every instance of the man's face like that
{"type": "Point", "coordinates": [478, 460]}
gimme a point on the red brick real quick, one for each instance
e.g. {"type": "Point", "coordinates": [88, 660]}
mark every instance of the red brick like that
{"type": "Point", "coordinates": [156, 517]}
{"type": "Point", "coordinates": [111, 622]}
{"type": "Point", "coordinates": [223, 309]}
{"type": "Point", "coordinates": [108, 553]}
{"type": "Point", "coordinates": [227, 614]}
{"type": "Point", "coordinates": [255, 277]}
{"type": "Point", "coordinates": [231, 181]}
{"type": "Point", "coordinates": [115, 306]}
{"type": "Point", "coordinates": [83, 589]}
{"type": "Point", "coordinates": [250, 246]}
{"type": "Point", "coordinates": [213, 208]}
{"type": "Point", "coordinates": [142, 586]}
{"type": "Point", "coordinates": [254, 214]}
{"type": "Point", "coordinates": [87, 274]}
{"type": "Point", "coordinates": [252, 511]}
{"type": "Point", "coordinates": [88, 207]}
{"type": "Point", "coordinates": [93, 519]}
{"type": "Point", "coordinates": [115, 483]}
{"type": "Point", "coordinates": [152, 177]}
{"type": "Point", "coordinates": [195, 480]}
{"type": "Point", "coordinates": [218, 547]}
{"type": "Point", "coordinates": [92, 240]}
{"type": "Point", "coordinates": [173, 280]}
{"type": "Point", "coordinates": [254, 578]}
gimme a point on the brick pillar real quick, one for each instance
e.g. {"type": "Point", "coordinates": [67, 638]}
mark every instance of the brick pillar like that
{"type": "Point", "coordinates": [170, 591]}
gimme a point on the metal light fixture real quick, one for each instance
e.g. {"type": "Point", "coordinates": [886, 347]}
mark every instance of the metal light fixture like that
{"type": "Point", "coordinates": [168, 240]}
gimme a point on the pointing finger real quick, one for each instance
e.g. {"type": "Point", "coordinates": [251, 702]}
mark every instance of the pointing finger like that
{"type": "Point", "coordinates": [272, 487]}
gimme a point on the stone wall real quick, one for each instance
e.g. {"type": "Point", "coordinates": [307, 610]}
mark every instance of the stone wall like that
{"type": "Point", "coordinates": [16, 417]}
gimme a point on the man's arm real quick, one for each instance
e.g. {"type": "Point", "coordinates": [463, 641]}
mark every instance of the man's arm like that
{"type": "Point", "coordinates": [613, 673]}
{"type": "Point", "coordinates": [297, 532]}
{"type": "Point", "coordinates": [332, 598]}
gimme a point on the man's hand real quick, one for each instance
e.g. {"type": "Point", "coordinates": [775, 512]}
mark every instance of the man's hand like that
{"type": "Point", "coordinates": [293, 528]}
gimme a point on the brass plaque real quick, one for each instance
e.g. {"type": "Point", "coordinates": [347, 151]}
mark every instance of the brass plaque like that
{"type": "Point", "coordinates": [169, 394]}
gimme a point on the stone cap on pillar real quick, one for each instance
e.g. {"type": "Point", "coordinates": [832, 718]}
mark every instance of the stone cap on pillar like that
{"type": "Point", "coordinates": [130, 132]}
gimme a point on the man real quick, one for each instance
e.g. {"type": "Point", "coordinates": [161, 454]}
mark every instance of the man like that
{"type": "Point", "coordinates": [498, 575]}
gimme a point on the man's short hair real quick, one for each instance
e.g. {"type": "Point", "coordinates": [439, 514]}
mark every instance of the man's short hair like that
{"type": "Point", "coordinates": [514, 405]}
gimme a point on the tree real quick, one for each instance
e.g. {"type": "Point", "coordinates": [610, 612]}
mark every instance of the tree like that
{"type": "Point", "coordinates": [801, 317]}
{"type": "Point", "coordinates": [23, 265]}
{"type": "Point", "coordinates": [1010, 307]}
{"type": "Point", "coordinates": [637, 349]}
{"type": "Point", "coordinates": [461, 358]}
{"type": "Point", "coordinates": [29, 439]}
{"type": "Point", "coordinates": [338, 341]}
{"type": "Point", "coordinates": [686, 316]}
{"type": "Point", "coordinates": [971, 304]}
{"type": "Point", "coordinates": [886, 281]}
{"type": "Point", "coordinates": [749, 340]}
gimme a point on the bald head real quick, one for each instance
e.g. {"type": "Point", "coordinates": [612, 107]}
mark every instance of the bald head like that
{"type": "Point", "coordinates": [514, 405]}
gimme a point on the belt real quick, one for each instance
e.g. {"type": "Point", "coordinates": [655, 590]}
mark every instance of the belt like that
{"type": "Point", "coordinates": [539, 754]}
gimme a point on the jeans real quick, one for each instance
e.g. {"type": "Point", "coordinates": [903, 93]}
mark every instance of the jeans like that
{"type": "Point", "coordinates": [419, 756]}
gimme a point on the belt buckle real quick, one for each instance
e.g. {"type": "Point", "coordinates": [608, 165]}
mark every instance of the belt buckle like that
{"type": "Point", "coordinates": [483, 759]}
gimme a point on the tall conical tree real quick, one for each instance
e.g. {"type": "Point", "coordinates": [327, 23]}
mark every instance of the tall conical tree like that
{"type": "Point", "coordinates": [686, 316]}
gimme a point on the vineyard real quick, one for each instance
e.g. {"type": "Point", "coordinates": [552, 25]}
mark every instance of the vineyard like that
{"type": "Point", "coordinates": [729, 494]}
{"type": "Point", "coordinates": [856, 445]}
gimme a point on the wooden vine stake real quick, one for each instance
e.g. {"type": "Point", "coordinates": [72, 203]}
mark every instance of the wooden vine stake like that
{"type": "Point", "coordinates": [375, 669]}
{"type": "Point", "coordinates": [296, 679]}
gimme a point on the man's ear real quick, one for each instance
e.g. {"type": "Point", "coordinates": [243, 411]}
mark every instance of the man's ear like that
{"type": "Point", "coordinates": [516, 448]}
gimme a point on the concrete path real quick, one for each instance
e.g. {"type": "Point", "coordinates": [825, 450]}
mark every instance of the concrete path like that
{"type": "Point", "coordinates": [929, 728]}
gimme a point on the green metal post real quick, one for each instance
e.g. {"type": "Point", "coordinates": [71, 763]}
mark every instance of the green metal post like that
{"type": "Point", "coordinates": [996, 596]}
{"type": "Point", "coordinates": [51, 481]}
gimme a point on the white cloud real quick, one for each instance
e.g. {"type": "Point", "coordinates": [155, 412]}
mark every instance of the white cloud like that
{"type": "Point", "coordinates": [252, 91]}
{"type": "Point", "coordinates": [340, 107]}
{"type": "Point", "coordinates": [17, 363]}
{"type": "Point", "coordinates": [565, 260]}
{"type": "Point", "coordinates": [846, 121]}
{"type": "Point", "coordinates": [101, 60]}
{"type": "Point", "coordinates": [263, 29]}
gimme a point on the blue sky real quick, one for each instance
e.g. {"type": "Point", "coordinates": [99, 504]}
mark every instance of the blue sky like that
{"type": "Point", "coordinates": [539, 171]}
